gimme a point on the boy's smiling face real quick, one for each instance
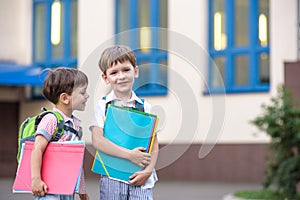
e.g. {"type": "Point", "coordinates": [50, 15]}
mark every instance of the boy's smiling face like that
{"type": "Point", "coordinates": [121, 78]}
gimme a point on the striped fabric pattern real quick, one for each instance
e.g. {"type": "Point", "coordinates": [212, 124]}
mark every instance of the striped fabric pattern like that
{"type": "Point", "coordinates": [117, 190]}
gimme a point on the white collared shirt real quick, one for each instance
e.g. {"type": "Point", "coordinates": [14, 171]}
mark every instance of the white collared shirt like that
{"type": "Point", "coordinates": [99, 112]}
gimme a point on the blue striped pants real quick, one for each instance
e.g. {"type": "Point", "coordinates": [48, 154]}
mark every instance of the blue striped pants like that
{"type": "Point", "coordinates": [116, 190]}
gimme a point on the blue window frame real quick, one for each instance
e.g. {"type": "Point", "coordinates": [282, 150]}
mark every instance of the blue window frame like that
{"type": "Point", "coordinates": [142, 20]}
{"type": "Point", "coordinates": [238, 46]}
{"type": "Point", "coordinates": [54, 33]}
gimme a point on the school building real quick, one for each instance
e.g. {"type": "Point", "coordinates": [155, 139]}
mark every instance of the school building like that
{"type": "Point", "coordinates": [205, 66]}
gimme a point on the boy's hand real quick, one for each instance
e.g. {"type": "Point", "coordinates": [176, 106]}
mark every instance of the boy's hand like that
{"type": "Point", "coordinates": [39, 188]}
{"type": "Point", "coordinates": [140, 158]}
{"type": "Point", "coordinates": [84, 197]}
{"type": "Point", "coordinates": [139, 178]}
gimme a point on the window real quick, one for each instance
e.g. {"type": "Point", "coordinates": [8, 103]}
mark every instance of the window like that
{"type": "Point", "coordinates": [142, 19]}
{"type": "Point", "coordinates": [239, 45]}
{"type": "Point", "coordinates": [55, 33]}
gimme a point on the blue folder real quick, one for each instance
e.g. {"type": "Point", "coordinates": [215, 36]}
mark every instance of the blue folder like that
{"type": "Point", "coordinates": [127, 128]}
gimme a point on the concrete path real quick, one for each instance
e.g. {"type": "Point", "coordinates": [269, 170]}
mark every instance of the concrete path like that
{"type": "Point", "coordinates": [163, 190]}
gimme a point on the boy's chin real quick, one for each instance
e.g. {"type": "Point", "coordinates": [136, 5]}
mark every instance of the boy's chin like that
{"type": "Point", "coordinates": [80, 109]}
{"type": "Point", "coordinates": [125, 90]}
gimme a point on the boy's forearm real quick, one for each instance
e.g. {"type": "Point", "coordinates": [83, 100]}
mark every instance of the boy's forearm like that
{"type": "Point", "coordinates": [39, 147]}
{"type": "Point", "coordinates": [36, 163]}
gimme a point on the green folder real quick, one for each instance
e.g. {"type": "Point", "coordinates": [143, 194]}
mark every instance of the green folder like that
{"type": "Point", "coordinates": [127, 128]}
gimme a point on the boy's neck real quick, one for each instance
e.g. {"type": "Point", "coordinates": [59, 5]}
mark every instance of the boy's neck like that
{"type": "Point", "coordinates": [124, 97]}
{"type": "Point", "coordinates": [68, 112]}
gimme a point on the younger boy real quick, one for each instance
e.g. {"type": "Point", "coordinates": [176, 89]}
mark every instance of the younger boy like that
{"type": "Point", "coordinates": [66, 89]}
{"type": "Point", "coordinates": [118, 66]}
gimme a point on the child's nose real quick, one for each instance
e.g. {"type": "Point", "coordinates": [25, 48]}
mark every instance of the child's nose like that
{"type": "Point", "coordinates": [121, 75]}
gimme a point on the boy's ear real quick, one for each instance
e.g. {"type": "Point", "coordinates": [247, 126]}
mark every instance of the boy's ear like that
{"type": "Point", "coordinates": [136, 72]}
{"type": "Point", "coordinates": [64, 98]}
{"type": "Point", "coordinates": [104, 77]}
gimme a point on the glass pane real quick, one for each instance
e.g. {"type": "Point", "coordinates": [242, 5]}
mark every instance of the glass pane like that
{"type": "Point", "coordinates": [218, 72]}
{"type": "Point", "coordinates": [57, 25]}
{"type": "Point", "coordinates": [123, 21]}
{"type": "Point", "coordinates": [163, 73]}
{"type": "Point", "coordinates": [241, 70]}
{"type": "Point", "coordinates": [123, 17]}
{"type": "Point", "coordinates": [143, 80]}
{"type": "Point", "coordinates": [163, 13]}
{"type": "Point", "coordinates": [264, 69]}
{"type": "Point", "coordinates": [219, 21]}
{"type": "Point", "coordinates": [143, 10]}
{"type": "Point", "coordinates": [263, 23]}
{"type": "Point", "coordinates": [39, 31]}
{"type": "Point", "coordinates": [145, 35]}
{"type": "Point", "coordinates": [149, 78]}
{"type": "Point", "coordinates": [74, 30]}
{"type": "Point", "coordinates": [143, 24]}
{"type": "Point", "coordinates": [241, 23]}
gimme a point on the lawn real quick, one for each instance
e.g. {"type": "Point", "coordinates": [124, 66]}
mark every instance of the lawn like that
{"type": "Point", "coordinates": [264, 195]}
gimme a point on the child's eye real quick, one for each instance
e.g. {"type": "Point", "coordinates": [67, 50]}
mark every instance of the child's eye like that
{"type": "Point", "coordinates": [83, 92]}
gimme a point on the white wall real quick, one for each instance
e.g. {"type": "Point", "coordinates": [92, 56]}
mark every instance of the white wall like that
{"type": "Point", "coordinates": [283, 31]}
{"type": "Point", "coordinates": [15, 31]}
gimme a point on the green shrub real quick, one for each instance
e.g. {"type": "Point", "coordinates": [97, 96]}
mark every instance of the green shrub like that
{"type": "Point", "coordinates": [281, 121]}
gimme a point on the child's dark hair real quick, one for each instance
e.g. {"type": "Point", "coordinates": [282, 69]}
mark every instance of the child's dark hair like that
{"type": "Point", "coordinates": [62, 80]}
{"type": "Point", "coordinates": [115, 54]}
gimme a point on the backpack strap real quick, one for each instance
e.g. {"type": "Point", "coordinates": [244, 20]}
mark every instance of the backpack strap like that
{"type": "Point", "coordinates": [69, 128]}
{"type": "Point", "coordinates": [140, 106]}
{"type": "Point", "coordinates": [106, 104]}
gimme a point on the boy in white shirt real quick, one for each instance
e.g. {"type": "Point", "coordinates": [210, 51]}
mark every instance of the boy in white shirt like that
{"type": "Point", "coordinates": [119, 69]}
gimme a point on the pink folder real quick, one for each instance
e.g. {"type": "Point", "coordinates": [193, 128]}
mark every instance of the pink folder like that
{"type": "Point", "coordinates": [60, 169]}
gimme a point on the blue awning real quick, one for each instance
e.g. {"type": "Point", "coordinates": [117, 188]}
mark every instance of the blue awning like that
{"type": "Point", "coordinates": [14, 74]}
